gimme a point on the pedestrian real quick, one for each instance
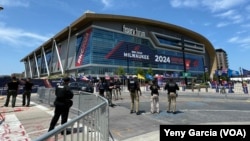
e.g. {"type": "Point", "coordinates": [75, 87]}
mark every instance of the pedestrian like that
{"type": "Point", "coordinates": [155, 97]}
{"type": "Point", "coordinates": [109, 92]}
{"type": "Point", "coordinates": [172, 88]}
{"type": "Point", "coordinates": [134, 89]}
{"type": "Point", "coordinates": [27, 91]}
{"type": "Point", "coordinates": [62, 103]}
{"type": "Point", "coordinates": [118, 89]}
{"type": "Point", "coordinates": [12, 90]}
{"type": "Point", "coordinates": [101, 87]}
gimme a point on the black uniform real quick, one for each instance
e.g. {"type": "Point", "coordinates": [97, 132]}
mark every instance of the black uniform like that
{"type": "Point", "coordinates": [12, 91]}
{"type": "Point", "coordinates": [134, 89]}
{"type": "Point", "coordinates": [110, 88]}
{"type": "Point", "coordinates": [62, 104]}
{"type": "Point", "coordinates": [171, 87]}
{"type": "Point", "coordinates": [27, 92]}
{"type": "Point", "coordinates": [101, 87]}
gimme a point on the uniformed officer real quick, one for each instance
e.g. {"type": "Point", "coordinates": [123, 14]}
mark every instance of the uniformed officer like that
{"type": "Point", "coordinates": [155, 97]}
{"type": "Point", "coordinates": [134, 89]}
{"type": "Point", "coordinates": [171, 87]}
{"type": "Point", "coordinates": [109, 92]}
{"type": "Point", "coordinates": [62, 103]}
{"type": "Point", "coordinates": [27, 91]}
{"type": "Point", "coordinates": [12, 91]}
{"type": "Point", "coordinates": [117, 89]}
{"type": "Point", "coordinates": [101, 87]}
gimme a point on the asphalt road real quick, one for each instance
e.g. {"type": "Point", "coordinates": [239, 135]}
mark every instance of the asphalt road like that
{"type": "Point", "coordinates": [192, 109]}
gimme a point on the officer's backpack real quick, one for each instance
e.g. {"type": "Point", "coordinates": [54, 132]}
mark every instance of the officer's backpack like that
{"type": "Point", "coordinates": [132, 85]}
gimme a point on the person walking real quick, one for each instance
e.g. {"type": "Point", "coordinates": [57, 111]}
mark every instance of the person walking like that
{"type": "Point", "coordinates": [109, 91]}
{"type": "Point", "coordinates": [155, 97]}
{"type": "Point", "coordinates": [27, 92]}
{"type": "Point", "coordinates": [101, 87]}
{"type": "Point", "coordinates": [62, 103]}
{"type": "Point", "coordinates": [134, 89]}
{"type": "Point", "coordinates": [171, 87]}
{"type": "Point", "coordinates": [118, 89]}
{"type": "Point", "coordinates": [13, 87]}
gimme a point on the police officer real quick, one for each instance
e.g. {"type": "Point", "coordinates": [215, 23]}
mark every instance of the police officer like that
{"type": "Point", "coordinates": [109, 92]}
{"type": "Point", "coordinates": [134, 89]}
{"type": "Point", "coordinates": [101, 87]}
{"type": "Point", "coordinates": [171, 87]}
{"type": "Point", "coordinates": [118, 89]}
{"type": "Point", "coordinates": [27, 91]}
{"type": "Point", "coordinates": [155, 97]}
{"type": "Point", "coordinates": [62, 103]}
{"type": "Point", "coordinates": [12, 91]}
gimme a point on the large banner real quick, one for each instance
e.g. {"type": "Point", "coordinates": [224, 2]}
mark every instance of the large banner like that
{"type": "Point", "coordinates": [142, 53]}
{"type": "Point", "coordinates": [81, 47]}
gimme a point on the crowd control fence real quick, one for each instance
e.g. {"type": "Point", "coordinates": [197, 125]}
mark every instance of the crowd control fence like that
{"type": "Point", "coordinates": [91, 122]}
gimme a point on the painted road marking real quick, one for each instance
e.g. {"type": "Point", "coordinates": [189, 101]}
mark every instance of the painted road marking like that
{"type": "Point", "coordinates": [12, 129]}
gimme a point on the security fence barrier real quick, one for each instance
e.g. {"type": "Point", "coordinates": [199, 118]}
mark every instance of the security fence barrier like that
{"type": "Point", "coordinates": [91, 122]}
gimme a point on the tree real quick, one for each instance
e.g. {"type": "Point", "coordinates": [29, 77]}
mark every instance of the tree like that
{"type": "Point", "coordinates": [139, 71]}
{"type": "Point", "coordinates": [120, 71]}
{"type": "Point", "coordinates": [150, 71]}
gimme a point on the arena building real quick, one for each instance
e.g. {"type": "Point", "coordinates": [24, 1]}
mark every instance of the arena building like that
{"type": "Point", "coordinates": [98, 44]}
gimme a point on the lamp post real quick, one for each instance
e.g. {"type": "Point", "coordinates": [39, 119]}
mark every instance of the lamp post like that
{"type": "Point", "coordinates": [184, 59]}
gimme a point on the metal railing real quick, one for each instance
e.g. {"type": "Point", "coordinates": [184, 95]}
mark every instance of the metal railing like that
{"type": "Point", "coordinates": [91, 122]}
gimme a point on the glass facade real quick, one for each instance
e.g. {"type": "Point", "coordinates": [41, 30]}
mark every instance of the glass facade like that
{"type": "Point", "coordinates": [108, 50]}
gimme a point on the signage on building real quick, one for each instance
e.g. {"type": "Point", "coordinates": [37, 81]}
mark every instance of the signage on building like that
{"type": "Point", "coordinates": [134, 32]}
{"type": "Point", "coordinates": [82, 49]}
{"type": "Point", "coordinates": [142, 53]}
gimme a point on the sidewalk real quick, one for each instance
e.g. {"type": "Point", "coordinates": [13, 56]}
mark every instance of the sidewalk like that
{"type": "Point", "coordinates": [23, 123]}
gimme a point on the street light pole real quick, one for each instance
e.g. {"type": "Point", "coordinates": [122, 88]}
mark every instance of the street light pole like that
{"type": "Point", "coordinates": [184, 59]}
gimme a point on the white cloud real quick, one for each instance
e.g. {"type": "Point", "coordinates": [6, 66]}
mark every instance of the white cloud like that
{"type": "Point", "coordinates": [207, 24]}
{"type": "Point", "coordinates": [184, 3]}
{"type": "Point", "coordinates": [16, 3]}
{"type": "Point", "coordinates": [218, 5]}
{"type": "Point", "coordinates": [231, 15]}
{"type": "Point", "coordinates": [233, 39]}
{"type": "Point", "coordinates": [107, 3]}
{"type": "Point", "coordinates": [19, 38]}
{"type": "Point", "coordinates": [222, 24]}
{"type": "Point", "coordinates": [242, 41]}
{"type": "Point", "coordinates": [213, 5]}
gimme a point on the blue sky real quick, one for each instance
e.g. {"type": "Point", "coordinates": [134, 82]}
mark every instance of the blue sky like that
{"type": "Point", "coordinates": [27, 24]}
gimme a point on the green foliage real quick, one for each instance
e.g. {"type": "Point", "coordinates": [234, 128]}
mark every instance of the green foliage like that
{"type": "Point", "coordinates": [139, 71]}
{"type": "Point", "coordinates": [120, 71]}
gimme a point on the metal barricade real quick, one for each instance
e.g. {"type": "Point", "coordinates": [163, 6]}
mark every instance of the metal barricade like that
{"type": "Point", "coordinates": [90, 124]}
{"type": "Point", "coordinates": [46, 95]}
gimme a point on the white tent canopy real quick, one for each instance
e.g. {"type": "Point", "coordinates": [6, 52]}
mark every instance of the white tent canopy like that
{"type": "Point", "coordinates": [240, 79]}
